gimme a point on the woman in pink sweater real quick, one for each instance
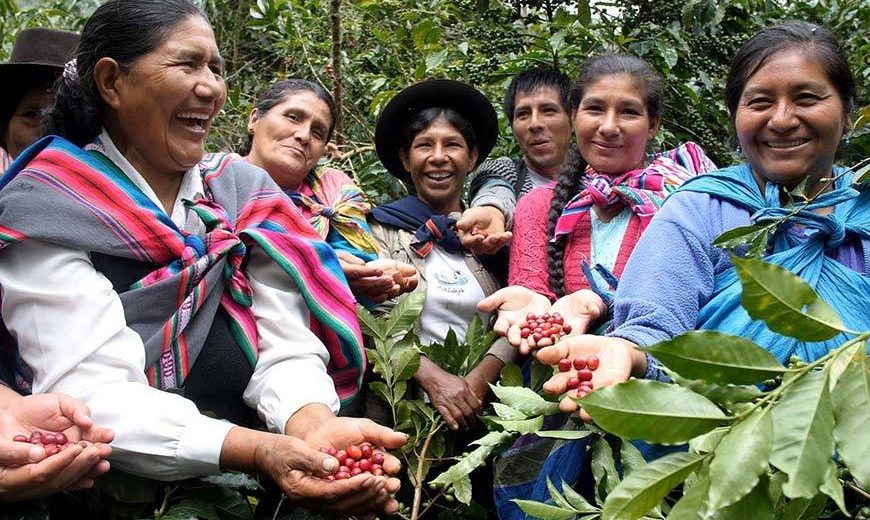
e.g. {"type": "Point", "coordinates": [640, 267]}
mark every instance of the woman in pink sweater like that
{"type": "Point", "coordinates": [574, 237]}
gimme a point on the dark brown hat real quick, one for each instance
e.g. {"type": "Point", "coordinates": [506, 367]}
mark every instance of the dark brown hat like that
{"type": "Point", "coordinates": [38, 53]}
{"type": "Point", "coordinates": [445, 93]}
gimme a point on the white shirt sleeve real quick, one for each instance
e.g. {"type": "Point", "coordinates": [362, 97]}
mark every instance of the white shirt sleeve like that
{"type": "Point", "coordinates": [77, 342]}
{"type": "Point", "coordinates": [291, 363]}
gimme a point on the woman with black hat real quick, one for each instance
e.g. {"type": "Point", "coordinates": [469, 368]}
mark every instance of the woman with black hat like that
{"type": "Point", "coordinates": [430, 136]}
{"type": "Point", "coordinates": [38, 57]}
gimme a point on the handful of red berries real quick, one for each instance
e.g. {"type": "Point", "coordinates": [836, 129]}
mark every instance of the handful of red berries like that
{"type": "Point", "coordinates": [544, 326]}
{"type": "Point", "coordinates": [53, 443]}
{"type": "Point", "coordinates": [355, 460]}
{"type": "Point", "coordinates": [584, 366]}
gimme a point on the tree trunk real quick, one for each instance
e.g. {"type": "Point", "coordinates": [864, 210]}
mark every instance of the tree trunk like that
{"type": "Point", "coordinates": [336, 68]}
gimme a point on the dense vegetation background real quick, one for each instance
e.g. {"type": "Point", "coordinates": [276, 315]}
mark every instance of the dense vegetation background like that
{"type": "Point", "coordinates": [366, 50]}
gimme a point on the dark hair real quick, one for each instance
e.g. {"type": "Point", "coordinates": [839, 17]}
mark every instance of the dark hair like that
{"type": "Point", "coordinates": [424, 118]}
{"type": "Point", "coordinates": [811, 39]}
{"type": "Point", "coordinates": [123, 30]}
{"type": "Point", "coordinates": [533, 79]}
{"type": "Point", "coordinates": [650, 85]}
{"type": "Point", "coordinates": [276, 93]}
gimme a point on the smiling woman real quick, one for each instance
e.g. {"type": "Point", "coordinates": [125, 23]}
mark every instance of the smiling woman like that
{"type": "Point", "coordinates": [430, 136]}
{"type": "Point", "coordinates": [183, 281]}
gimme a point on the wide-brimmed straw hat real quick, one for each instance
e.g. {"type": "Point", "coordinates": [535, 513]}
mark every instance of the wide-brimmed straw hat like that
{"type": "Point", "coordinates": [37, 55]}
{"type": "Point", "coordinates": [446, 93]}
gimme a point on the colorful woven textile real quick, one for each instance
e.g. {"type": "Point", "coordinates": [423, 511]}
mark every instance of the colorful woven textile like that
{"type": "Point", "coordinates": [643, 190]}
{"type": "Point", "coordinates": [330, 198]}
{"type": "Point", "coordinates": [429, 228]}
{"type": "Point", "coordinates": [95, 207]}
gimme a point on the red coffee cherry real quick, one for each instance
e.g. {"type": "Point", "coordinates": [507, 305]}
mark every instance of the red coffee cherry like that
{"type": "Point", "coordinates": [579, 363]}
{"type": "Point", "coordinates": [572, 383]}
{"type": "Point", "coordinates": [377, 458]}
{"type": "Point", "coordinates": [593, 362]}
{"type": "Point", "coordinates": [564, 365]}
{"type": "Point", "coordinates": [584, 375]}
{"type": "Point", "coordinates": [366, 450]}
{"type": "Point", "coordinates": [354, 452]}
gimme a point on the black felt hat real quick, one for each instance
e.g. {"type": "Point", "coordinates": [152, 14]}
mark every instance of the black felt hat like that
{"type": "Point", "coordinates": [38, 56]}
{"type": "Point", "coordinates": [446, 93]}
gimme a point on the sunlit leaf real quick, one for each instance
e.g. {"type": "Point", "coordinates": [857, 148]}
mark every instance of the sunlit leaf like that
{"type": "Point", "coordinates": [557, 497]}
{"type": "Point", "coordinates": [803, 439]}
{"type": "Point", "coordinates": [564, 434]}
{"type": "Point", "coordinates": [740, 459]}
{"type": "Point", "coordinates": [522, 426]}
{"type": "Point", "coordinates": [462, 489]}
{"type": "Point", "coordinates": [524, 400]}
{"type": "Point", "coordinates": [644, 489]}
{"type": "Point", "coordinates": [637, 409]}
{"type": "Point", "coordinates": [717, 358]}
{"type": "Point", "coordinates": [511, 375]}
{"type": "Point", "coordinates": [630, 457]}
{"type": "Point", "coordinates": [544, 511]}
{"type": "Point", "coordinates": [405, 363]}
{"type": "Point", "coordinates": [467, 463]}
{"type": "Point", "coordinates": [739, 236]}
{"type": "Point", "coordinates": [576, 500]}
{"type": "Point", "coordinates": [804, 508]}
{"type": "Point", "coordinates": [787, 304]}
{"type": "Point", "coordinates": [833, 488]}
{"type": "Point", "coordinates": [720, 394]}
{"type": "Point", "coordinates": [693, 504]}
{"type": "Point", "coordinates": [507, 413]}
{"type": "Point", "coordinates": [851, 399]}
{"type": "Point", "coordinates": [369, 325]}
{"type": "Point", "coordinates": [405, 313]}
{"type": "Point", "coordinates": [494, 439]}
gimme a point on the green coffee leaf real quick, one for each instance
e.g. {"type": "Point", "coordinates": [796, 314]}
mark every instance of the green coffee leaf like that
{"type": "Point", "coordinates": [646, 487]}
{"type": "Point", "coordinates": [603, 469]}
{"type": "Point", "coordinates": [557, 497]}
{"type": "Point", "coordinates": [851, 398]}
{"type": "Point", "coordinates": [543, 511]}
{"type": "Point", "coordinates": [693, 504]}
{"type": "Point", "coordinates": [862, 175]}
{"type": "Point", "coordinates": [719, 394]}
{"type": "Point", "coordinates": [740, 459]}
{"type": "Point", "coordinates": [382, 391]}
{"type": "Point", "coordinates": [717, 358]}
{"type": "Point", "coordinates": [404, 314]}
{"type": "Point", "coordinates": [787, 304]}
{"type": "Point", "coordinates": [405, 363]}
{"type": "Point", "coordinates": [630, 457]}
{"type": "Point", "coordinates": [637, 409]}
{"type": "Point", "coordinates": [494, 439]}
{"type": "Point", "coordinates": [571, 435]}
{"type": "Point", "coordinates": [522, 426]}
{"type": "Point", "coordinates": [467, 463]}
{"type": "Point", "coordinates": [233, 480]}
{"type": "Point", "coordinates": [739, 236]}
{"type": "Point", "coordinates": [507, 413]}
{"type": "Point", "coordinates": [462, 489]}
{"type": "Point", "coordinates": [804, 508]}
{"type": "Point", "coordinates": [524, 400]}
{"type": "Point", "coordinates": [511, 375]}
{"type": "Point", "coordinates": [838, 364]}
{"type": "Point", "coordinates": [576, 500]}
{"type": "Point", "coordinates": [707, 443]}
{"type": "Point", "coordinates": [833, 488]}
{"type": "Point", "coordinates": [803, 441]}
{"type": "Point", "coordinates": [755, 505]}
{"type": "Point", "coordinates": [369, 325]}
{"type": "Point", "coordinates": [540, 374]}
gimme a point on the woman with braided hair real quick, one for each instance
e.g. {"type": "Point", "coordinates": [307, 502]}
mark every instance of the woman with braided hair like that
{"type": "Point", "coordinates": [573, 238]}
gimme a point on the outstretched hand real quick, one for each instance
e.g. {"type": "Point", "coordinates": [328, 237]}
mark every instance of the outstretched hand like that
{"type": "Point", "coordinates": [617, 360]}
{"type": "Point", "coordinates": [513, 303]}
{"type": "Point", "coordinates": [481, 229]}
{"type": "Point", "coordinates": [25, 469]}
{"type": "Point", "coordinates": [579, 309]}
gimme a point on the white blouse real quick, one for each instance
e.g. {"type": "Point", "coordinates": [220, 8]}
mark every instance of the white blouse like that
{"type": "Point", "coordinates": [71, 326]}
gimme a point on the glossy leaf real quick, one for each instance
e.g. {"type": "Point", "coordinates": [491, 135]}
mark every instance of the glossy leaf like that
{"type": "Point", "coordinates": [405, 363]}
{"type": "Point", "coordinates": [717, 358]}
{"type": "Point", "coordinates": [521, 426]}
{"type": "Point", "coordinates": [720, 394]}
{"type": "Point", "coordinates": [558, 499]}
{"type": "Point", "coordinates": [645, 488]}
{"type": "Point", "coordinates": [462, 489]}
{"type": "Point", "coordinates": [787, 304]}
{"type": "Point", "coordinates": [851, 399]}
{"type": "Point", "coordinates": [740, 459]}
{"type": "Point", "coordinates": [572, 435]}
{"type": "Point", "coordinates": [755, 505]}
{"type": "Point", "coordinates": [404, 314]}
{"type": "Point", "coordinates": [630, 457]}
{"type": "Point", "coordinates": [739, 236]}
{"type": "Point", "coordinates": [833, 488]}
{"type": "Point", "coordinates": [467, 463]}
{"type": "Point", "coordinates": [803, 440]}
{"type": "Point", "coordinates": [493, 439]}
{"type": "Point", "coordinates": [693, 504]}
{"type": "Point", "coordinates": [369, 325]}
{"type": "Point", "coordinates": [603, 469]}
{"type": "Point", "coordinates": [804, 508]}
{"type": "Point", "coordinates": [543, 511]}
{"type": "Point", "coordinates": [507, 413]}
{"type": "Point", "coordinates": [637, 409]}
{"type": "Point", "coordinates": [576, 500]}
{"type": "Point", "coordinates": [524, 400]}
{"type": "Point", "coordinates": [511, 375]}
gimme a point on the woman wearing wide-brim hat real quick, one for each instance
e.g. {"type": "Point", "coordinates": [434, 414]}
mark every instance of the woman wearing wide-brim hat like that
{"type": "Point", "coordinates": [430, 136]}
{"type": "Point", "coordinates": [37, 59]}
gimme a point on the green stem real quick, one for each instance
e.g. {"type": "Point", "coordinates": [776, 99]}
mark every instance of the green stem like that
{"type": "Point", "coordinates": [421, 461]}
{"type": "Point", "coordinates": [801, 372]}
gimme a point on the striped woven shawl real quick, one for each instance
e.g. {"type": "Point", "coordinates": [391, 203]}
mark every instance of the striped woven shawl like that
{"type": "Point", "coordinates": [58, 193]}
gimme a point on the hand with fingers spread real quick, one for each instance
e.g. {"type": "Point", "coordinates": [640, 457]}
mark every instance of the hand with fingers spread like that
{"type": "Point", "coordinates": [451, 395]}
{"type": "Point", "coordinates": [482, 230]}
{"type": "Point", "coordinates": [513, 304]}
{"type": "Point", "coordinates": [618, 360]}
{"type": "Point", "coordinates": [579, 309]}
{"type": "Point", "coordinates": [26, 470]}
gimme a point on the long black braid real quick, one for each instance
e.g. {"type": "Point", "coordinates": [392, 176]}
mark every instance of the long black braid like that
{"type": "Point", "coordinates": [567, 186]}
